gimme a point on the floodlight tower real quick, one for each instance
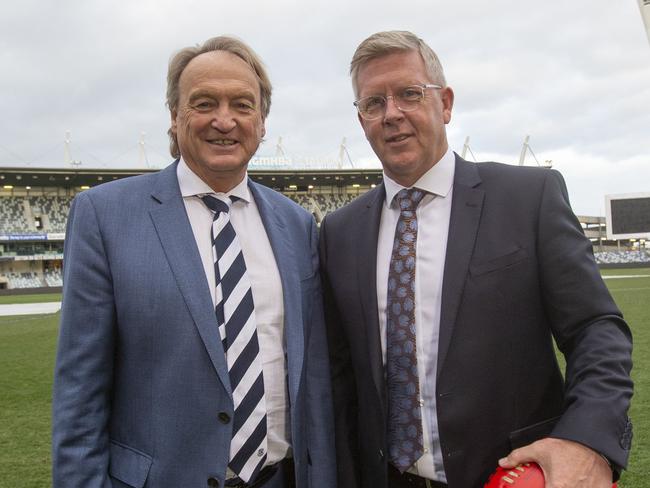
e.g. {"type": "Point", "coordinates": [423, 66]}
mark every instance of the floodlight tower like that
{"type": "Point", "coordinates": [467, 149]}
{"type": "Point", "coordinates": [142, 158]}
{"type": "Point", "coordinates": [524, 150]}
{"type": "Point", "coordinates": [279, 149]}
{"type": "Point", "coordinates": [66, 148]}
{"type": "Point", "coordinates": [527, 149]}
{"type": "Point", "coordinates": [66, 151]}
{"type": "Point", "coordinates": [343, 151]}
{"type": "Point", "coordinates": [644, 5]}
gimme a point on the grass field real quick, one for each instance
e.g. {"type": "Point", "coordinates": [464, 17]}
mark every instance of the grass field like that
{"type": "Point", "coordinates": [41, 298]}
{"type": "Point", "coordinates": [27, 349]}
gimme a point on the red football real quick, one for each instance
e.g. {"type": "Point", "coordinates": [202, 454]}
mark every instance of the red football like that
{"type": "Point", "coordinates": [528, 475]}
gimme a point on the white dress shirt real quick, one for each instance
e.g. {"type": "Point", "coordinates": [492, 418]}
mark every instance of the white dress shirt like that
{"type": "Point", "coordinates": [266, 287]}
{"type": "Point", "coordinates": [433, 215]}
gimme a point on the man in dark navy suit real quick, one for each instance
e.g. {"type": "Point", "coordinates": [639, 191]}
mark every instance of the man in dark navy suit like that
{"type": "Point", "coordinates": [444, 289]}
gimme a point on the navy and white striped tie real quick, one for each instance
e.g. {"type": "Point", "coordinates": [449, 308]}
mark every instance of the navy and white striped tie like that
{"type": "Point", "coordinates": [236, 320]}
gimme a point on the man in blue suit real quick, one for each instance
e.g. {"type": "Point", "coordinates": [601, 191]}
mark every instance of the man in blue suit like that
{"type": "Point", "coordinates": [192, 349]}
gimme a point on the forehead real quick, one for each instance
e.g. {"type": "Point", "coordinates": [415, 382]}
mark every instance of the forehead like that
{"type": "Point", "coordinates": [218, 69]}
{"type": "Point", "coordinates": [392, 70]}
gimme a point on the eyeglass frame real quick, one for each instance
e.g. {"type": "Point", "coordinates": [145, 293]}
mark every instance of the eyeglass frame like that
{"type": "Point", "coordinates": [422, 86]}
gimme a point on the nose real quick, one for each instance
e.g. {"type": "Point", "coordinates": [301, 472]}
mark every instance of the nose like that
{"type": "Point", "coordinates": [392, 112]}
{"type": "Point", "coordinates": [223, 120]}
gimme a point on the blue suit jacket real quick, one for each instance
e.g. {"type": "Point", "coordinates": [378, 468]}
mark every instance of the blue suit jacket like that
{"type": "Point", "coordinates": [141, 376]}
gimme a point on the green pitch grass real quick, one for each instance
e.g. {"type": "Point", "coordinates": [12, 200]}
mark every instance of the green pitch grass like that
{"type": "Point", "coordinates": [41, 298]}
{"type": "Point", "coordinates": [27, 349]}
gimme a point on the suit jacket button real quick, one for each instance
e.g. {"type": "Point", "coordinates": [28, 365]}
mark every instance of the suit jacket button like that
{"type": "Point", "coordinates": [224, 418]}
{"type": "Point", "coordinates": [213, 482]}
{"type": "Point", "coordinates": [381, 454]}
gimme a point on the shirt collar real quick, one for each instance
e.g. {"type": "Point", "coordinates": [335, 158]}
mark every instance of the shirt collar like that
{"type": "Point", "coordinates": [191, 184]}
{"type": "Point", "coordinates": [438, 180]}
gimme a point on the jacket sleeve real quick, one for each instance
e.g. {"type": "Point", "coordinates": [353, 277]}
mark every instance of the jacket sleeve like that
{"type": "Point", "coordinates": [84, 364]}
{"type": "Point", "coordinates": [344, 391]}
{"type": "Point", "coordinates": [589, 330]}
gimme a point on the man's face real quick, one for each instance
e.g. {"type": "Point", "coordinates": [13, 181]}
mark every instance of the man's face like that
{"type": "Point", "coordinates": [218, 122]}
{"type": "Point", "coordinates": [407, 143]}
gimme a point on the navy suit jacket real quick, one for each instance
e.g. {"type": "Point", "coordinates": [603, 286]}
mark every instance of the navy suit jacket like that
{"type": "Point", "coordinates": [141, 377]}
{"type": "Point", "coordinates": [518, 272]}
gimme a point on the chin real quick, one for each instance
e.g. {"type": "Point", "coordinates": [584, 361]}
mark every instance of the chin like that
{"type": "Point", "coordinates": [401, 166]}
{"type": "Point", "coordinates": [225, 163]}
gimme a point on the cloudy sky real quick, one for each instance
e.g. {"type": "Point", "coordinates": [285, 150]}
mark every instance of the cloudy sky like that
{"type": "Point", "coordinates": [574, 75]}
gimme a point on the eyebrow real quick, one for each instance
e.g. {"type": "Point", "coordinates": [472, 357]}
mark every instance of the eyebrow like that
{"type": "Point", "coordinates": [233, 94]}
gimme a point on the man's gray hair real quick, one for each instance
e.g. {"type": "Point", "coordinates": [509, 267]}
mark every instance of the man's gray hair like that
{"type": "Point", "coordinates": [389, 42]}
{"type": "Point", "coordinates": [182, 58]}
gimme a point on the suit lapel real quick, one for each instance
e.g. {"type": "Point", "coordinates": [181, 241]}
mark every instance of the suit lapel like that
{"type": "Point", "coordinates": [284, 253]}
{"type": "Point", "coordinates": [177, 239]}
{"type": "Point", "coordinates": [467, 204]}
{"type": "Point", "coordinates": [368, 235]}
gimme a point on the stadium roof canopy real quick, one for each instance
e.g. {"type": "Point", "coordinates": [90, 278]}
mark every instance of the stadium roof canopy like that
{"type": "Point", "coordinates": [275, 178]}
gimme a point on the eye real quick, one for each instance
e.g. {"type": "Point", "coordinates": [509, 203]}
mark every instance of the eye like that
{"type": "Point", "coordinates": [411, 93]}
{"type": "Point", "coordinates": [203, 105]}
{"type": "Point", "coordinates": [245, 106]}
{"type": "Point", "coordinates": [369, 104]}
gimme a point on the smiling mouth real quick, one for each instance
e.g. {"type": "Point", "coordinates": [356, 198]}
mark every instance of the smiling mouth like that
{"type": "Point", "coordinates": [398, 138]}
{"type": "Point", "coordinates": [222, 142]}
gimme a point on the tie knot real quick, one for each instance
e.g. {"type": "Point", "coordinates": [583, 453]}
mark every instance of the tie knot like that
{"type": "Point", "coordinates": [217, 205]}
{"type": "Point", "coordinates": [409, 198]}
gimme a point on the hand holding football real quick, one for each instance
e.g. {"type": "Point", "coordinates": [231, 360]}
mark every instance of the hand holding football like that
{"type": "Point", "coordinates": [527, 475]}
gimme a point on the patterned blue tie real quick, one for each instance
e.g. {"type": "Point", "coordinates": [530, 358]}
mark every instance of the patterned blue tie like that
{"type": "Point", "coordinates": [236, 319]}
{"type": "Point", "coordinates": [404, 417]}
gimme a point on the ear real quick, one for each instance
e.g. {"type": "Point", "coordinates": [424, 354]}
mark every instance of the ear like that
{"type": "Point", "coordinates": [173, 113]}
{"type": "Point", "coordinates": [447, 96]}
{"type": "Point", "coordinates": [263, 130]}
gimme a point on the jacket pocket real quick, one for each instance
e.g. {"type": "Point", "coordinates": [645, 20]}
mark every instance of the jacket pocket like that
{"type": "Point", "coordinates": [128, 465]}
{"type": "Point", "coordinates": [531, 433]}
{"type": "Point", "coordinates": [501, 262]}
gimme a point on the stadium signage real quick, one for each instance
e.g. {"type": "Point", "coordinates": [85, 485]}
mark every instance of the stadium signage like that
{"type": "Point", "coordinates": [24, 237]}
{"type": "Point", "coordinates": [53, 236]}
{"type": "Point", "coordinates": [628, 216]}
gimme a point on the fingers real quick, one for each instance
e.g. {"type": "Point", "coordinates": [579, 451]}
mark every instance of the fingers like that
{"type": "Point", "coordinates": [564, 463]}
{"type": "Point", "coordinates": [519, 456]}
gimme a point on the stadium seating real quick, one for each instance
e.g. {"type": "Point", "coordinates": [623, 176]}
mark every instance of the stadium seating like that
{"type": "Point", "coordinates": [18, 215]}
{"type": "Point", "coordinates": [13, 216]}
{"type": "Point", "coordinates": [53, 278]}
{"type": "Point", "coordinates": [54, 207]}
{"type": "Point", "coordinates": [320, 204]}
{"type": "Point", "coordinates": [622, 257]}
{"type": "Point", "coordinates": [24, 280]}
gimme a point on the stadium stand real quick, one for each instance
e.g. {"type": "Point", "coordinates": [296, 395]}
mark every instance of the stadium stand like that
{"type": "Point", "coordinates": [53, 278]}
{"type": "Point", "coordinates": [13, 216]}
{"type": "Point", "coordinates": [54, 208]}
{"type": "Point", "coordinates": [30, 215]}
{"type": "Point", "coordinates": [20, 214]}
{"type": "Point", "coordinates": [33, 218]}
{"type": "Point", "coordinates": [622, 257]}
{"type": "Point", "coordinates": [25, 280]}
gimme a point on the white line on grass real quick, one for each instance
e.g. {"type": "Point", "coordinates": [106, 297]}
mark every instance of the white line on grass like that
{"type": "Point", "coordinates": [30, 308]}
{"type": "Point", "coordinates": [615, 277]}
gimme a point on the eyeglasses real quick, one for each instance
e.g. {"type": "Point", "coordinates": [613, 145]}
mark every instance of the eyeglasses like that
{"type": "Point", "coordinates": [407, 99]}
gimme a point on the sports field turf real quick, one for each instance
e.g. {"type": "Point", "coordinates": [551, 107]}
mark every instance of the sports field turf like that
{"type": "Point", "coordinates": [41, 298]}
{"type": "Point", "coordinates": [27, 349]}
